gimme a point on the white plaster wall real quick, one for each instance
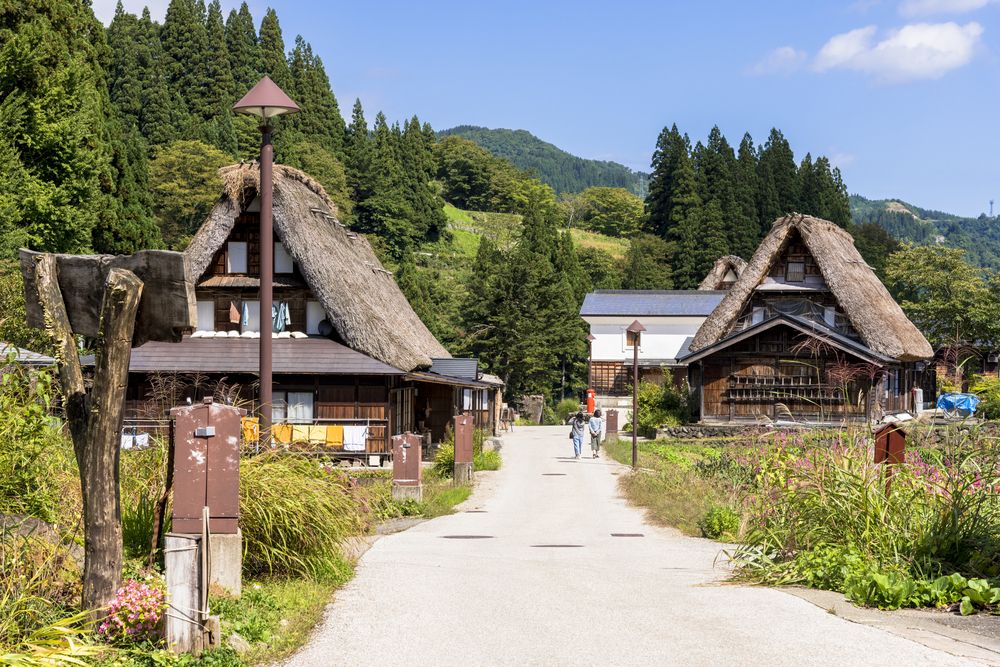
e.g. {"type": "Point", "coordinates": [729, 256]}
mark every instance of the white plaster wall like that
{"type": "Point", "coordinates": [661, 340]}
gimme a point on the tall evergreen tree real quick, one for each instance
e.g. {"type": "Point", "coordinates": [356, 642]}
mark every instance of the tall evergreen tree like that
{"type": "Point", "coordinates": [745, 192]}
{"type": "Point", "coordinates": [358, 149]}
{"type": "Point", "coordinates": [778, 179]}
{"type": "Point", "coordinates": [244, 63]}
{"type": "Point", "coordinates": [124, 71]}
{"type": "Point", "coordinates": [670, 147]}
{"type": "Point", "coordinates": [219, 130]}
{"type": "Point", "coordinates": [684, 220]}
{"type": "Point", "coordinates": [163, 115]}
{"type": "Point", "coordinates": [60, 137]}
{"type": "Point", "coordinates": [273, 61]}
{"type": "Point", "coordinates": [647, 263]}
{"type": "Point", "coordinates": [185, 48]}
{"type": "Point", "coordinates": [321, 121]}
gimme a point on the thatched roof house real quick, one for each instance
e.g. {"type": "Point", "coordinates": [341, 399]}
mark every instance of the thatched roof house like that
{"type": "Point", "coordinates": [362, 301]}
{"type": "Point", "coordinates": [876, 317]}
{"type": "Point", "coordinates": [724, 273]}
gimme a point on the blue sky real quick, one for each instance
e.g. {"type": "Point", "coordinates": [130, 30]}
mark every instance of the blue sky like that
{"type": "Point", "coordinates": [903, 95]}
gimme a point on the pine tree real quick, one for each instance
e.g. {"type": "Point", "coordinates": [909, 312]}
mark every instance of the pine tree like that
{"type": "Point", "coordinates": [647, 264]}
{"type": "Point", "coordinates": [244, 63]}
{"type": "Point", "coordinates": [358, 149]}
{"type": "Point", "coordinates": [219, 130]}
{"type": "Point", "coordinates": [185, 47]}
{"type": "Point", "coordinates": [124, 71]}
{"type": "Point", "coordinates": [321, 121]}
{"type": "Point", "coordinates": [670, 147]}
{"type": "Point", "coordinates": [272, 51]}
{"type": "Point", "coordinates": [778, 179]}
{"type": "Point", "coordinates": [684, 224]}
{"type": "Point", "coordinates": [163, 116]}
{"type": "Point", "coordinates": [744, 241]}
{"type": "Point", "coordinates": [718, 166]}
{"type": "Point", "coordinates": [712, 241]}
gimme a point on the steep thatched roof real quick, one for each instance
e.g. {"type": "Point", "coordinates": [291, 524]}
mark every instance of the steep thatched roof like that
{"type": "Point", "coordinates": [716, 278]}
{"type": "Point", "coordinates": [876, 317]}
{"type": "Point", "coordinates": [360, 297]}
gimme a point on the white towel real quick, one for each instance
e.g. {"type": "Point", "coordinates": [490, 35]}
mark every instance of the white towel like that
{"type": "Point", "coordinates": [355, 438]}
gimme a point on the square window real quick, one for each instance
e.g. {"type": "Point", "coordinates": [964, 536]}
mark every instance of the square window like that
{"type": "Point", "coordinates": [236, 257]}
{"type": "Point", "coordinates": [795, 272]}
{"type": "Point", "coordinates": [282, 260]}
{"type": "Point", "coordinates": [314, 315]}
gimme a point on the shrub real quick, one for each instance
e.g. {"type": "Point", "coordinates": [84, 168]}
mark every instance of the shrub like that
{"type": "Point", "coordinates": [294, 516]}
{"type": "Point", "coordinates": [566, 408]}
{"type": "Point", "coordinates": [135, 613]}
{"type": "Point", "coordinates": [988, 389]}
{"type": "Point", "coordinates": [720, 522]}
{"type": "Point", "coordinates": [665, 405]}
{"type": "Point", "coordinates": [444, 458]}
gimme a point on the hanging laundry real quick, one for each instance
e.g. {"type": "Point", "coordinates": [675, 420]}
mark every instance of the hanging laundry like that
{"type": "Point", "coordinates": [246, 314]}
{"type": "Point", "coordinates": [355, 438]}
{"type": "Point", "coordinates": [278, 316]}
{"type": "Point", "coordinates": [234, 313]}
{"type": "Point", "coordinates": [335, 435]}
{"type": "Point", "coordinates": [288, 313]}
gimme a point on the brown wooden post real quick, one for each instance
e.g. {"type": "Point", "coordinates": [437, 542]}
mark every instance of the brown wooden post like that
{"type": "Point", "coordinates": [95, 422]}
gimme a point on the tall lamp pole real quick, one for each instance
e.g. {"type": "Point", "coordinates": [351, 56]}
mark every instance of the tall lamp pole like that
{"type": "Point", "coordinates": [635, 335]}
{"type": "Point", "coordinates": [266, 100]}
{"type": "Point", "coordinates": [590, 360]}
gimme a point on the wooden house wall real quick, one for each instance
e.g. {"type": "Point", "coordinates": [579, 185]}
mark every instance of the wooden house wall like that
{"type": "Point", "coordinates": [746, 382]}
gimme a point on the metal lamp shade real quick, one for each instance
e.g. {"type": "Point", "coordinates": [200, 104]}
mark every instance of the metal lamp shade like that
{"type": "Point", "coordinates": [266, 100]}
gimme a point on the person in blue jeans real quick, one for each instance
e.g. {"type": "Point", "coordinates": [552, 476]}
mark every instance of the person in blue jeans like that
{"type": "Point", "coordinates": [577, 427]}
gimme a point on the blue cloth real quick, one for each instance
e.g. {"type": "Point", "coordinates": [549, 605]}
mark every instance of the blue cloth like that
{"type": "Point", "coordinates": [246, 314]}
{"type": "Point", "coordinates": [577, 445]}
{"type": "Point", "coordinates": [280, 316]}
{"type": "Point", "coordinates": [965, 403]}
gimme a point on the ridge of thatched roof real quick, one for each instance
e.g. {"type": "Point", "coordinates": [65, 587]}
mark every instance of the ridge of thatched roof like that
{"type": "Point", "coordinates": [877, 318]}
{"type": "Point", "coordinates": [716, 276]}
{"type": "Point", "coordinates": [361, 298]}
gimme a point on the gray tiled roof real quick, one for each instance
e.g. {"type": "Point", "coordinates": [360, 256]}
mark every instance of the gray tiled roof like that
{"type": "Point", "coordinates": [22, 356]}
{"type": "Point", "coordinates": [311, 355]}
{"type": "Point", "coordinates": [651, 303]}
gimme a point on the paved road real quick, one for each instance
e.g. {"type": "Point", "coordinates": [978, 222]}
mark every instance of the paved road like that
{"type": "Point", "coordinates": [548, 584]}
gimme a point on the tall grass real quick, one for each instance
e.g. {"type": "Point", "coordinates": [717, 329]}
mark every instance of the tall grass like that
{"type": "Point", "coordinates": [143, 475]}
{"type": "Point", "coordinates": [294, 516]}
{"type": "Point", "coordinates": [832, 507]}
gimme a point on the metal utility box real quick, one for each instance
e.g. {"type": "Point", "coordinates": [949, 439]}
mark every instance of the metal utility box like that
{"type": "Point", "coordinates": [611, 421]}
{"type": "Point", "coordinates": [890, 444]}
{"type": "Point", "coordinates": [206, 466]}
{"type": "Point", "coordinates": [407, 473]}
{"type": "Point", "coordinates": [463, 439]}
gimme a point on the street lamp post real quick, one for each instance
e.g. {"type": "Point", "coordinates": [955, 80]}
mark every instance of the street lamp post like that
{"type": "Point", "coordinates": [590, 360]}
{"type": "Point", "coordinates": [635, 335]}
{"type": "Point", "coordinates": [266, 100]}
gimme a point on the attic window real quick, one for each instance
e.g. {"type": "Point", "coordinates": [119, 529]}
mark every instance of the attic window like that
{"type": "Point", "coordinates": [795, 271]}
{"type": "Point", "coordinates": [236, 257]}
{"type": "Point", "coordinates": [282, 260]}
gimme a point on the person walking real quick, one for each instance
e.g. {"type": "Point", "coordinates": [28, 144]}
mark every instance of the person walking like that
{"type": "Point", "coordinates": [577, 425]}
{"type": "Point", "coordinates": [594, 426]}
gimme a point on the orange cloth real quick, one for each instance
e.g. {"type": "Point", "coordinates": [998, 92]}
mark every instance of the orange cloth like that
{"type": "Point", "coordinates": [334, 435]}
{"type": "Point", "coordinates": [281, 433]}
{"type": "Point", "coordinates": [251, 429]}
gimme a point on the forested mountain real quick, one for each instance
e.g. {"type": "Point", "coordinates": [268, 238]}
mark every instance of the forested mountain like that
{"type": "Point", "coordinates": [552, 165]}
{"type": "Point", "coordinates": [979, 237]}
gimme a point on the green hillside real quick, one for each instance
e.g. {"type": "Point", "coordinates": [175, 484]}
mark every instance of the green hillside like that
{"type": "Point", "coordinates": [552, 165]}
{"type": "Point", "coordinates": [980, 237]}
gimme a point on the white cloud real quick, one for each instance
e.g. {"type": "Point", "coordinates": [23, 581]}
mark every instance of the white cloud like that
{"type": "Point", "coordinates": [841, 159]}
{"type": "Point", "coordinates": [916, 51]}
{"type": "Point", "coordinates": [929, 7]}
{"type": "Point", "coordinates": [783, 60]}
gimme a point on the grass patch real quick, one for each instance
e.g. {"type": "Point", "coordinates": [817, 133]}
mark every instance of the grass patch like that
{"type": "Point", "coordinates": [441, 496]}
{"type": "Point", "coordinates": [613, 246]}
{"type": "Point", "coordinates": [669, 485]}
{"type": "Point", "coordinates": [274, 615]}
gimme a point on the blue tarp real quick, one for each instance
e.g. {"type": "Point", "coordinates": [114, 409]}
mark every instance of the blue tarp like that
{"type": "Point", "coordinates": [965, 403]}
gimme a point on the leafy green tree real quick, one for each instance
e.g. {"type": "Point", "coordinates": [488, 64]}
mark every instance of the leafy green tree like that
{"type": "Point", "coordinates": [184, 178]}
{"type": "Point", "coordinates": [58, 130]}
{"type": "Point", "coordinates": [949, 300]}
{"type": "Point", "coordinates": [647, 264]}
{"type": "Point", "coordinates": [601, 268]}
{"type": "Point", "coordinates": [14, 327]}
{"type": "Point", "coordinates": [611, 211]}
